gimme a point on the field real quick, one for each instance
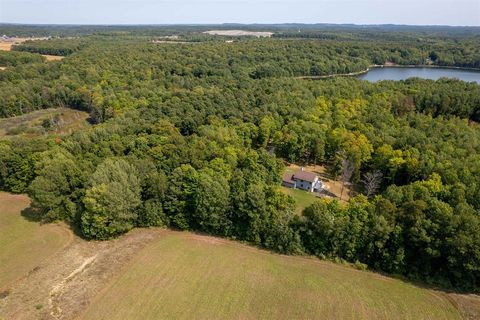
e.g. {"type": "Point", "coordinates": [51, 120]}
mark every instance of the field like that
{"type": "Point", "coordinates": [24, 244]}
{"type": "Point", "coordinates": [183, 276]}
{"type": "Point", "coordinates": [239, 33]}
{"type": "Point", "coordinates": [7, 46]}
{"type": "Point", "coordinates": [63, 121]}
{"type": "Point", "coordinates": [48, 273]}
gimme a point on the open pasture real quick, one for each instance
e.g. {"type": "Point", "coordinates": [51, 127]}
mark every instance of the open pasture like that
{"type": "Point", "coordinates": [187, 276]}
{"type": "Point", "coordinates": [23, 243]}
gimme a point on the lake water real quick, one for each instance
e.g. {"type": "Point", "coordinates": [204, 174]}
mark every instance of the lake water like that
{"type": "Point", "coordinates": [392, 73]}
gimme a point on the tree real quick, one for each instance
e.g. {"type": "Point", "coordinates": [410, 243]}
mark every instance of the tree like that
{"type": "Point", "coordinates": [111, 200]}
{"type": "Point", "coordinates": [58, 187]}
{"type": "Point", "coordinates": [210, 203]}
{"type": "Point", "coordinates": [347, 172]}
{"type": "Point", "coordinates": [371, 182]}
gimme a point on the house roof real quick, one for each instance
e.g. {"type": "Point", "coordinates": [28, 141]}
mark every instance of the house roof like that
{"type": "Point", "coordinates": [305, 176]}
{"type": "Point", "coordinates": [288, 178]}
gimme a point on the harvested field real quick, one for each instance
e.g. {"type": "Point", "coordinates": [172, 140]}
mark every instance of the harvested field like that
{"type": "Point", "coordinates": [48, 273]}
{"type": "Point", "coordinates": [53, 58]}
{"type": "Point", "coordinates": [184, 276]}
{"type": "Point", "coordinates": [6, 45]}
{"type": "Point", "coordinates": [61, 286]}
{"type": "Point", "coordinates": [239, 33]}
{"type": "Point", "coordinates": [24, 244]}
{"type": "Point", "coordinates": [63, 121]}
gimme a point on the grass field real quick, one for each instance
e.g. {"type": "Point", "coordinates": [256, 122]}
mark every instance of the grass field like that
{"type": "Point", "coordinates": [186, 276]}
{"type": "Point", "coordinates": [30, 124]}
{"type": "Point", "coordinates": [24, 244]}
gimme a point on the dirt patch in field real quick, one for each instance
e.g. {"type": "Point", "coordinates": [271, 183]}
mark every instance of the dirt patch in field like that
{"type": "Point", "coordinates": [63, 286]}
{"type": "Point", "coordinates": [468, 304]}
{"type": "Point", "coordinates": [53, 58]}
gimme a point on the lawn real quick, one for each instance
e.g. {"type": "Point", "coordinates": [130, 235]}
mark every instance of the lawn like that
{"type": "Point", "coordinates": [23, 243]}
{"type": "Point", "coordinates": [302, 198]}
{"type": "Point", "coordinates": [187, 276]}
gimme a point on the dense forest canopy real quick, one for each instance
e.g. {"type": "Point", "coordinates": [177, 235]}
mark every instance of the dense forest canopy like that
{"type": "Point", "coordinates": [195, 135]}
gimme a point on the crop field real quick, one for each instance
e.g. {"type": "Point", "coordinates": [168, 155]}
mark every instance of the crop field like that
{"type": "Point", "coordinates": [186, 276]}
{"type": "Point", "coordinates": [23, 243]}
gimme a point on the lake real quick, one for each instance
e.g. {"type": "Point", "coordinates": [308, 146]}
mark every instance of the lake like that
{"type": "Point", "coordinates": [395, 73]}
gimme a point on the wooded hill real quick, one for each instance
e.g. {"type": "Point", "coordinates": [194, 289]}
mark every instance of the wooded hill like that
{"type": "Point", "coordinates": [183, 131]}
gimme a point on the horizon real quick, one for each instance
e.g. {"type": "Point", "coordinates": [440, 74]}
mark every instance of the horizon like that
{"type": "Point", "coordinates": [236, 24]}
{"type": "Point", "coordinates": [463, 13]}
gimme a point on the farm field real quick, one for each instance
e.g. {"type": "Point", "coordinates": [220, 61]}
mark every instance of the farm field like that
{"type": "Point", "coordinates": [23, 243]}
{"type": "Point", "coordinates": [184, 276]}
{"type": "Point", "coordinates": [7, 46]}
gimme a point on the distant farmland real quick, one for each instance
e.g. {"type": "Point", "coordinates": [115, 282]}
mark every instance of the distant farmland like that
{"type": "Point", "coordinates": [185, 276]}
{"type": "Point", "coordinates": [239, 33]}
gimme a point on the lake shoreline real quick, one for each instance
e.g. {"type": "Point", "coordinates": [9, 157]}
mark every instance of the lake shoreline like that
{"type": "Point", "coordinates": [381, 66]}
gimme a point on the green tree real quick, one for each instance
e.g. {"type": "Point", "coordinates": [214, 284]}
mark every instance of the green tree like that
{"type": "Point", "coordinates": [112, 200]}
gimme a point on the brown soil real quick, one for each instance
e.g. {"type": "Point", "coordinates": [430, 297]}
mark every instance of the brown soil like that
{"type": "Point", "coordinates": [468, 304]}
{"type": "Point", "coordinates": [62, 287]}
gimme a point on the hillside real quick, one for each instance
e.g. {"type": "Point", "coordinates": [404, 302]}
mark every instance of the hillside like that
{"type": "Point", "coordinates": [155, 273]}
{"type": "Point", "coordinates": [182, 275]}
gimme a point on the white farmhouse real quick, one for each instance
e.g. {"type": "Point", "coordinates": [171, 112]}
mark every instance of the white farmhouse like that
{"type": "Point", "coordinates": [304, 180]}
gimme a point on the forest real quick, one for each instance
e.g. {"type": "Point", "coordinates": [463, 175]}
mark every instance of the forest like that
{"type": "Point", "coordinates": [196, 135]}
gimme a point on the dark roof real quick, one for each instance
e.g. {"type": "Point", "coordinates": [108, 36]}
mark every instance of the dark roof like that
{"type": "Point", "coordinates": [305, 176]}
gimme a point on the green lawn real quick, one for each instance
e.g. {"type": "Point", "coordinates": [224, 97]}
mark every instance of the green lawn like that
{"type": "Point", "coordinates": [186, 276]}
{"type": "Point", "coordinates": [302, 198]}
{"type": "Point", "coordinates": [24, 244]}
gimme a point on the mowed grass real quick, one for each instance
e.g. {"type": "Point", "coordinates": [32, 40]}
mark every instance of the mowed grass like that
{"type": "Point", "coordinates": [23, 243]}
{"type": "Point", "coordinates": [186, 276]}
{"type": "Point", "coordinates": [302, 198]}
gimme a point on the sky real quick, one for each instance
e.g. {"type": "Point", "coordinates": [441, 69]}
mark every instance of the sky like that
{"type": "Point", "coordinates": [413, 12]}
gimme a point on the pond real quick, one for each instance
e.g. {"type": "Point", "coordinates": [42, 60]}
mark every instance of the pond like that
{"type": "Point", "coordinates": [402, 73]}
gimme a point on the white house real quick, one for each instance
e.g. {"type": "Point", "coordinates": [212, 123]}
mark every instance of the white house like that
{"type": "Point", "coordinates": [304, 180]}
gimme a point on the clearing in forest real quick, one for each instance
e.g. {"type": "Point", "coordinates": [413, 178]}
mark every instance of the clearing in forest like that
{"type": "Point", "coordinates": [58, 121]}
{"type": "Point", "coordinates": [333, 188]}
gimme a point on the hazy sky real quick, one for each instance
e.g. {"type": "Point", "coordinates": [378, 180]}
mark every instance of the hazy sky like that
{"type": "Point", "coordinates": [446, 12]}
